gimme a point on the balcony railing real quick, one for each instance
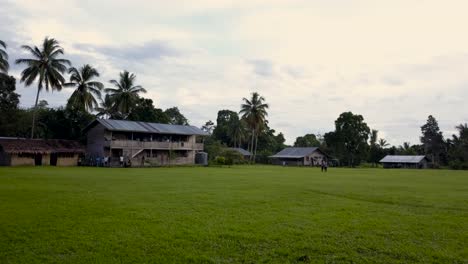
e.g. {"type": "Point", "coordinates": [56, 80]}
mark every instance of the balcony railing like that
{"type": "Point", "coordinates": [154, 145]}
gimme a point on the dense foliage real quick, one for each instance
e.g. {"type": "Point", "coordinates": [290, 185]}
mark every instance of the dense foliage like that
{"type": "Point", "coordinates": [351, 143]}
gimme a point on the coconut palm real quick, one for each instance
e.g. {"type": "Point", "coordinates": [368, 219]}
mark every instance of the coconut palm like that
{"type": "Point", "coordinates": [254, 111]}
{"type": "Point", "coordinates": [86, 89]}
{"type": "Point", "coordinates": [45, 67]}
{"type": "Point", "coordinates": [125, 94]}
{"type": "Point", "coordinates": [107, 109]}
{"type": "Point", "coordinates": [3, 57]}
{"type": "Point", "coordinates": [383, 143]}
{"type": "Point", "coordinates": [237, 131]}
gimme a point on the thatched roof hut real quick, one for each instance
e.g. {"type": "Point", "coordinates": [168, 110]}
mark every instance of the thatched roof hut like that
{"type": "Point", "coordinates": [40, 146]}
{"type": "Point", "coordinates": [21, 151]}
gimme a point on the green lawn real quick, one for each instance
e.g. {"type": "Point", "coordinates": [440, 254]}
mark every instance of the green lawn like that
{"type": "Point", "coordinates": [232, 215]}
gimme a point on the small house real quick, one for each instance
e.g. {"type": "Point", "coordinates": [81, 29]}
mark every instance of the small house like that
{"type": "Point", "coordinates": [246, 154]}
{"type": "Point", "coordinates": [295, 156]}
{"type": "Point", "coordinates": [407, 161]}
{"type": "Point", "coordinates": [35, 152]}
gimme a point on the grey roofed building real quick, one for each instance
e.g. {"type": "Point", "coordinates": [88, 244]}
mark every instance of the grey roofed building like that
{"type": "Point", "coordinates": [142, 143]}
{"type": "Point", "coordinates": [242, 151]}
{"type": "Point", "coordinates": [299, 156]}
{"type": "Point", "coordinates": [146, 127]}
{"type": "Point", "coordinates": [405, 161]}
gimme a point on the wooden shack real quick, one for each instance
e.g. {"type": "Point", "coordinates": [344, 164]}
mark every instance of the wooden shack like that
{"type": "Point", "coordinates": [36, 152]}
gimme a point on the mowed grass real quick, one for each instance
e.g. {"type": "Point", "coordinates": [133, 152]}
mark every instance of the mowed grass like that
{"type": "Point", "coordinates": [232, 215]}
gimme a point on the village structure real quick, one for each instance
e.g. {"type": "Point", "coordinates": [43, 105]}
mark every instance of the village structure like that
{"type": "Point", "coordinates": [299, 157]}
{"type": "Point", "coordinates": [35, 152]}
{"type": "Point", "coordinates": [245, 153]}
{"type": "Point", "coordinates": [408, 162]}
{"type": "Point", "coordinates": [121, 143]}
{"type": "Point", "coordinates": [131, 143]}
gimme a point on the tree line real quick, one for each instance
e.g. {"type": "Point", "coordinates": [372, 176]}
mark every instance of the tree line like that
{"type": "Point", "coordinates": [351, 143]}
{"type": "Point", "coordinates": [46, 67]}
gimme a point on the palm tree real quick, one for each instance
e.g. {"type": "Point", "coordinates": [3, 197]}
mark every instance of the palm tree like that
{"type": "Point", "coordinates": [125, 94]}
{"type": "Point", "coordinates": [106, 109]}
{"type": "Point", "coordinates": [254, 111]}
{"type": "Point", "coordinates": [237, 131]}
{"type": "Point", "coordinates": [3, 57]}
{"type": "Point", "coordinates": [383, 143]}
{"type": "Point", "coordinates": [45, 67]}
{"type": "Point", "coordinates": [87, 90]}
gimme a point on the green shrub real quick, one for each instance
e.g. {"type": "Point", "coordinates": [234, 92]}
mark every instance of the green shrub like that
{"type": "Point", "coordinates": [220, 160]}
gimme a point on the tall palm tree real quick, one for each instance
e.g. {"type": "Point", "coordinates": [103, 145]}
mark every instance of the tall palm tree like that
{"type": "Point", "coordinates": [45, 67]}
{"type": "Point", "coordinates": [107, 109]}
{"type": "Point", "coordinates": [383, 143]}
{"type": "Point", "coordinates": [373, 137]}
{"type": "Point", "coordinates": [126, 93]}
{"type": "Point", "coordinates": [237, 131]}
{"type": "Point", "coordinates": [254, 111]}
{"type": "Point", "coordinates": [86, 89]}
{"type": "Point", "coordinates": [3, 57]}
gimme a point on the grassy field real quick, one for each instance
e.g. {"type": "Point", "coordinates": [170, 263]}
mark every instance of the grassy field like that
{"type": "Point", "coordinates": [232, 215]}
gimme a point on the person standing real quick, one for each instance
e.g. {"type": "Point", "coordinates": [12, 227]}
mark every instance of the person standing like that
{"type": "Point", "coordinates": [121, 161]}
{"type": "Point", "coordinates": [324, 165]}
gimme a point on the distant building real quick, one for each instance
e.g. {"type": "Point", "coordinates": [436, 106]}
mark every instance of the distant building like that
{"type": "Point", "coordinates": [246, 154]}
{"type": "Point", "coordinates": [300, 157]}
{"type": "Point", "coordinates": [410, 162]}
{"type": "Point", "coordinates": [143, 143]}
{"type": "Point", "coordinates": [35, 152]}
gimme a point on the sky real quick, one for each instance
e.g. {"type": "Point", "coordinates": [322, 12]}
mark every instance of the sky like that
{"type": "Point", "coordinates": [394, 62]}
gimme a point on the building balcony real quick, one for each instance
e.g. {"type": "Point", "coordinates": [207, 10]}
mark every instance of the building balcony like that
{"type": "Point", "coordinates": [133, 144]}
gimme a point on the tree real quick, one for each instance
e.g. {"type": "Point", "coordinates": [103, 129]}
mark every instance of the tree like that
{"type": "Point", "coordinates": [432, 139]}
{"type": "Point", "coordinates": [175, 116]}
{"type": "Point", "coordinates": [45, 67]}
{"type": "Point", "coordinates": [9, 101]}
{"type": "Point", "coordinates": [383, 143]}
{"type": "Point", "coordinates": [353, 133]}
{"type": "Point", "coordinates": [86, 89]}
{"type": "Point", "coordinates": [125, 93]}
{"type": "Point", "coordinates": [107, 109]}
{"type": "Point", "coordinates": [308, 140]}
{"type": "Point", "coordinates": [223, 124]}
{"type": "Point", "coordinates": [208, 127]}
{"type": "Point", "coordinates": [4, 65]}
{"type": "Point", "coordinates": [236, 131]}
{"type": "Point", "coordinates": [458, 148]}
{"type": "Point", "coordinates": [145, 111]}
{"type": "Point", "coordinates": [254, 111]}
{"type": "Point", "coordinates": [375, 153]}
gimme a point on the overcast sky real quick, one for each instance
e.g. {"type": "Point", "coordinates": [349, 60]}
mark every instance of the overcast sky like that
{"type": "Point", "coordinates": [394, 62]}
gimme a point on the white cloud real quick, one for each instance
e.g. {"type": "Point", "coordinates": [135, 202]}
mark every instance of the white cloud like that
{"type": "Point", "coordinates": [395, 62]}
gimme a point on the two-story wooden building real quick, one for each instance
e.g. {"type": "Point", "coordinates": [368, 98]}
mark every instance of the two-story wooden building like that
{"type": "Point", "coordinates": [143, 143]}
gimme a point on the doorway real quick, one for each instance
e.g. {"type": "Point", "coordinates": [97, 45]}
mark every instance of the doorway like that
{"type": "Point", "coordinates": [53, 159]}
{"type": "Point", "coordinates": [38, 159]}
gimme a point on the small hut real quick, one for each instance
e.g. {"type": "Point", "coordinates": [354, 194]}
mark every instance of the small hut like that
{"type": "Point", "coordinates": [298, 156]}
{"type": "Point", "coordinates": [408, 162]}
{"type": "Point", "coordinates": [35, 152]}
{"type": "Point", "coordinates": [246, 154]}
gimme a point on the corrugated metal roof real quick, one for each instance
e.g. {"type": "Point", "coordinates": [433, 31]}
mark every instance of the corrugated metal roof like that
{"type": "Point", "coordinates": [241, 151]}
{"type": "Point", "coordinates": [145, 127]}
{"type": "Point", "coordinates": [294, 152]}
{"type": "Point", "coordinates": [402, 159]}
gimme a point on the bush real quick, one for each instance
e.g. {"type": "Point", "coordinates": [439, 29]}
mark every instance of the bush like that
{"type": "Point", "coordinates": [458, 165]}
{"type": "Point", "coordinates": [220, 160]}
{"type": "Point", "coordinates": [233, 157]}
